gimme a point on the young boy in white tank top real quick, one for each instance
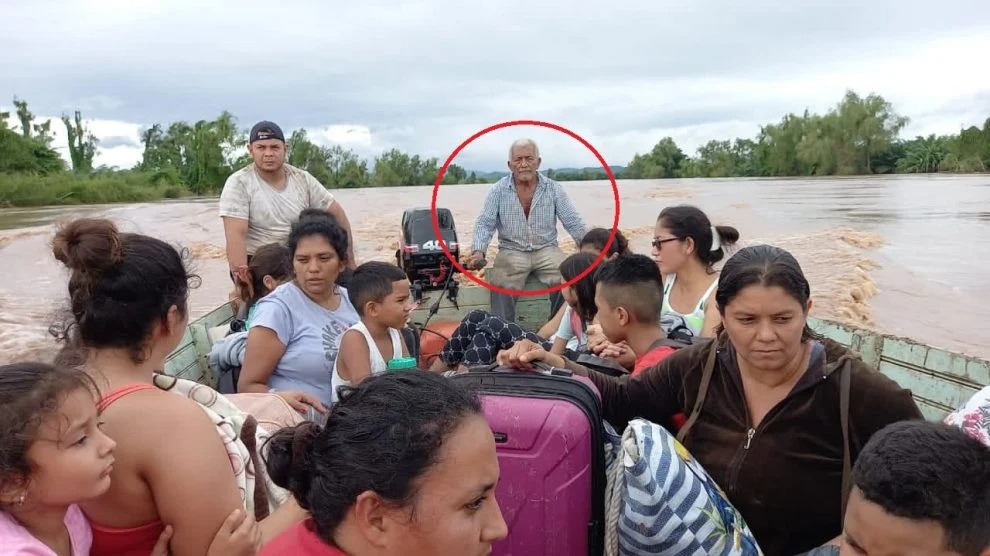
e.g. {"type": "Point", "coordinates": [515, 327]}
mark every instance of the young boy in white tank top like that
{"type": "Point", "coordinates": [380, 293]}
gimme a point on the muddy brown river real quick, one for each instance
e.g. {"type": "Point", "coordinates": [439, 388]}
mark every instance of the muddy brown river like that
{"type": "Point", "coordinates": [906, 255]}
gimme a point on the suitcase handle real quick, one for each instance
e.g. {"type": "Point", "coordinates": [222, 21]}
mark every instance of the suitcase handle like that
{"type": "Point", "coordinates": [551, 370]}
{"type": "Point", "coordinates": [541, 368]}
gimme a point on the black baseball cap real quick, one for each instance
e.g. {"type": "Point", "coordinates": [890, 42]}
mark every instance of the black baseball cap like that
{"type": "Point", "coordinates": [265, 130]}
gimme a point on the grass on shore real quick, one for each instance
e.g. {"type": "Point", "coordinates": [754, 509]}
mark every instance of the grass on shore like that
{"type": "Point", "coordinates": [28, 190]}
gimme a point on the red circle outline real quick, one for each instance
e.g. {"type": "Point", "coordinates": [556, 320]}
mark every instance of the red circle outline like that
{"type": "Point", "coordinates": [492, 287]}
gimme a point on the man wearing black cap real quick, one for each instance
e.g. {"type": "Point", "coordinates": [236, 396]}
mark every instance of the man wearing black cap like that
{"type": "Point", "coordinates": [260, 202]}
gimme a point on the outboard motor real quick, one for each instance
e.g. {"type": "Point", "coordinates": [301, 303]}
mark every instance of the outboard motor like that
{"type": "Point", "coordinates": [420, 255]}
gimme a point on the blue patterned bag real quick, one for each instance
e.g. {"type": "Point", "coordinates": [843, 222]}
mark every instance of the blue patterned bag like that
{"type": "Point", "coordinates": [664, 502]}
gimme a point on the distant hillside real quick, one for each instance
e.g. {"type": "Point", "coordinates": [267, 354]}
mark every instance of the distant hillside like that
{"type": "Point", "coordinates": [589, 169]}
{"type": "Point", "coordinates": [493, 176]}
{"type": "Point", "coordinates": [563, 174]}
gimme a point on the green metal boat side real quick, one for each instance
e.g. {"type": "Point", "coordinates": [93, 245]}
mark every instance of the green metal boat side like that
{"type": "Point", "coordinates": [190, 360]}
{"type": "Point", "coordinates": [940, 380]}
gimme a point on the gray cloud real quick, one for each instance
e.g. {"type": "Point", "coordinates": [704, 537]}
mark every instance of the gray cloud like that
{"type": "Point", "coordinates": [118, 141]}
{"type": "Point", "coordinates": [422, 76]}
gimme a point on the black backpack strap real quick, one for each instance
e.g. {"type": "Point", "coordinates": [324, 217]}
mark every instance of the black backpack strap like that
{"type": "Point", "coordinates": [601, 364]}
{"type": "Point", "coordinates": [669, 342]}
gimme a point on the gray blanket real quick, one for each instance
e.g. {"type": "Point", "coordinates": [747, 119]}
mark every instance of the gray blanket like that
{"type": "Point", "coordinates": [226, 358]}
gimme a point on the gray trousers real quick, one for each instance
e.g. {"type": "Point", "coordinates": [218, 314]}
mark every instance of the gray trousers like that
{"type": "Point", "coordinates": [512, 269]}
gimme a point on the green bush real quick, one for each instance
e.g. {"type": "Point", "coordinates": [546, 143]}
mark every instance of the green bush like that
{"type": "Point", "coordinates": [66, 188]}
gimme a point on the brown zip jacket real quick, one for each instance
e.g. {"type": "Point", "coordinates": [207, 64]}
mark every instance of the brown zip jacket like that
{"type": "Point", "coordinates": [785, 475]}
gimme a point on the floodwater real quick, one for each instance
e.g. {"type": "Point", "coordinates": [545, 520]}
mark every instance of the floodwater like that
{"type": "Point", "coordinates": [905, 255]}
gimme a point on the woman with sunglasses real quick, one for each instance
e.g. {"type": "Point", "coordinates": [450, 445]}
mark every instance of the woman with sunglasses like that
{"type": "Point", "coordinates": [686, 247]}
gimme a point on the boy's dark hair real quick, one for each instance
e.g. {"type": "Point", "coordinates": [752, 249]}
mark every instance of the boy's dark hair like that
{"type": "Point", "coordinates": [633, 282]}
{"type": "Point", "coordinates": [29, 394]}
{"type": "Point", "coordinates": [372, 281]}
{"type": "Point", "coordinates": [930, 471]}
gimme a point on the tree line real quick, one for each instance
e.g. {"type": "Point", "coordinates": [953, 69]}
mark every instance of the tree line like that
{"type": "Point", "coordinates": [859, 135]}
{"type": "Point", "coordinates": [200, 156]}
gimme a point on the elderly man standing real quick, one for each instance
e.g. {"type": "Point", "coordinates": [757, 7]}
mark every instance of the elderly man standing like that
{"type": "Point", "coordinates": [260, 202]}
{"type": "Point", "coordinates": [524, 208]}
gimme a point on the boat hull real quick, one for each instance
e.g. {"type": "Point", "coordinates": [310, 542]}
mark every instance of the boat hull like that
{"type": "Point", "coordinates": [940, 380]}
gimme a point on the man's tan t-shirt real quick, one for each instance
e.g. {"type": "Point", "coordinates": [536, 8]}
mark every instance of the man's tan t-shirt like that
{"type": "Point", "coordinates": [270, 212]}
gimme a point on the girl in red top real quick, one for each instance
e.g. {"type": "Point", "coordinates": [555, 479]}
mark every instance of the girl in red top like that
{"type": "Point", "coordinates": [405, 465]}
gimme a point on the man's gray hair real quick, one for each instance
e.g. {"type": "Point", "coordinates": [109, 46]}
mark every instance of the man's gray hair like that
{"type": "Point", "coordinates": [524, 143]}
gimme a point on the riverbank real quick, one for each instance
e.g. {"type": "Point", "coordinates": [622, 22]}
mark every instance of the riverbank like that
{"type": "Point", "coordinates": [28, 190]}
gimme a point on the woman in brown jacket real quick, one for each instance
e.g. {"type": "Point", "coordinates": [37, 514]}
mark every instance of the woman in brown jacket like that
{"type": "Point", "coordinates": [770, 428]}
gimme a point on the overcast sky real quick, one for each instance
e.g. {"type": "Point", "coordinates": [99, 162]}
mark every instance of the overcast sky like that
{"type": "Point", "coordinates": [423, 76]}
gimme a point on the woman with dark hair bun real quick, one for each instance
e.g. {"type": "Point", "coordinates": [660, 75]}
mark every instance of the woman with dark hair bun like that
{"type": "Point", "coordinates": [128, 296]}
{"type": "Point", "coordinates": [764, 402]}
{"type": "Point", "coordinates": [405, 466]}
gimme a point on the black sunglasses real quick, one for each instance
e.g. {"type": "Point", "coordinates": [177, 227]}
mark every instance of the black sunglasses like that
{"type": "Point", "coordinates": [658, 243]}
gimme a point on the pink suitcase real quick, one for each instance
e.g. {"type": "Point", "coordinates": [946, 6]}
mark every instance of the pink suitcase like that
{"type": "Point", "coordinates": [548, 431]}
